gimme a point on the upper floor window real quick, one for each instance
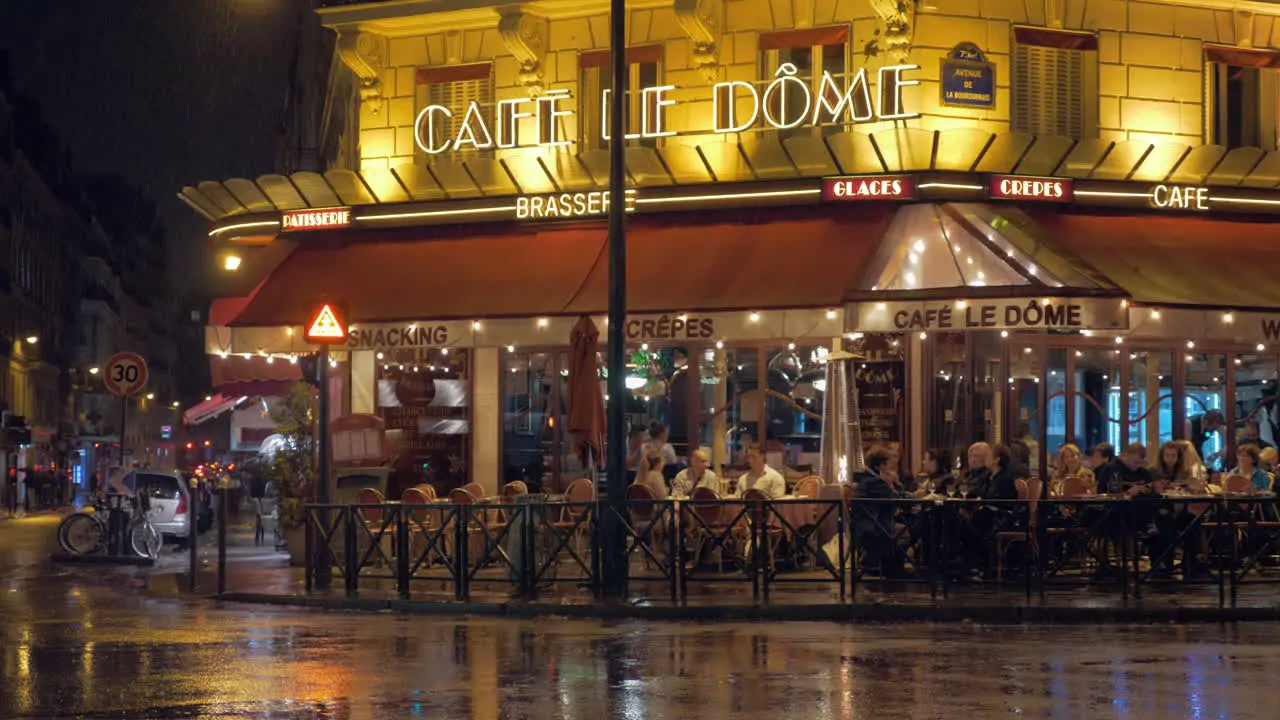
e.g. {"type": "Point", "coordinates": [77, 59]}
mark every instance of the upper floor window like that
{"type": "Point", "coordinates": [1055, 83]}
{"type": "Point", "coordinates": [644, 67]}
{"type": "Point", "coordinates": [455, 87]}
{"type": "Point", "coordinates": [812, 52]}
{"type": "Point", "coordinates": [1242, 96]}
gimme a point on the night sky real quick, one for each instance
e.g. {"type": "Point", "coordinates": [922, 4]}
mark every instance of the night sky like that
{"type": "Point", "coordinates": [163, 92]}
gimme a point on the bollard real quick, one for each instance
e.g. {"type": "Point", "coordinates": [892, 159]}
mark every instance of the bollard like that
{"type": "Point", "coordinates": [193, 549]}
{"type": "Point", "coordinates": [223, 494]}
{"type": "Point", "coordinates": [402, 552]}
{"type": "Point", "coordinates": [350, 551]}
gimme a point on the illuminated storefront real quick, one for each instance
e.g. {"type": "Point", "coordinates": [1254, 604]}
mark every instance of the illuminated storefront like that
{"type": "Point", "coordinates": [1005, 265]}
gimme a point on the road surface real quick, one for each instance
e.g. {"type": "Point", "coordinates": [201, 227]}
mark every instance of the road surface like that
{"type": "Point", "coordinates": [95, 643]}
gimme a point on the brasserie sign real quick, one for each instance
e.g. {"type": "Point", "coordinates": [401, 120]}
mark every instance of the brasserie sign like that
{"type": "Point", "coordinates": [788, 101]}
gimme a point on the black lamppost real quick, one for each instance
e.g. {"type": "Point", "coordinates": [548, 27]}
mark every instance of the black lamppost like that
{"type": "Point", "coordinates": [614, 560]}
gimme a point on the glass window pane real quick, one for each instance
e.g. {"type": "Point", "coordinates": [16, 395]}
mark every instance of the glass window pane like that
{"type": "Point", "coordinates": [425, 410]}
{"type": "Point", "coordinates": [1150, 398]}
{"type": "Point", "coordinates": [1205, 387]}
{"type": "Point", "coordinates": [1096, 401]}
{"type": "Point", "coordinates": [1024, 386]}
{"type": "Point", "coordinates": [528, 420]}
{"type": "Point", "coordinates": [1257, 412]}
{"type": "Point", "coordinates": [730, 403]}
{"type": "Point", "coordinates": [1056, 418]}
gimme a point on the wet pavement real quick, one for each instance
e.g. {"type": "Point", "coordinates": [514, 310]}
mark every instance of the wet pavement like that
{"type": "Point", "coordinates": [88, 642]}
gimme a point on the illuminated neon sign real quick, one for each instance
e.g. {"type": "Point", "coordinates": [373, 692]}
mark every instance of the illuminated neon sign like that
{"type": "Point", "coordinates": [319, 219]}
{"type": "Point", "coordinates": [870, 187]}
{"type": "Point", "coordinates": [1015, 187]}
{"type": "Point", "coordinates": [567, 205]}
{"type": "Point", "coordinates": [786, 102]}
{"type": "Point", "coordinates": [1174, 197]}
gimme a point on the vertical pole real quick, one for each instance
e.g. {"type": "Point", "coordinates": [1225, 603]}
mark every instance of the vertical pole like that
{"type": "Point", "coordinates": [192, 539]}
{"type": "Point", "coordinates": [223, 499]}
{"type": "Point", "coordinates": [124, 416]}
{"type": "Point", "coordinates": [614, 580]}
{"type": "Point", "coordinates": [323, 566]}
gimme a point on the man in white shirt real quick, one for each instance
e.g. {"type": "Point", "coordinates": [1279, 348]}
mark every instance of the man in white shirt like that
{"type": "Point", "coordinates": [761, 477]}
{"type": "Point", "coordinates": [696, 475]}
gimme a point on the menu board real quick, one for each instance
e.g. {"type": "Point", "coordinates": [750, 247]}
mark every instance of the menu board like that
{"type": "Point", "coordinates": [880, 400]}
{"type": "Point", "coordinates": [428, 429]}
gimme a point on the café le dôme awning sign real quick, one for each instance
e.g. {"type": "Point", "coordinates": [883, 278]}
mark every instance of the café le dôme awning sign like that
{"type": "Point", "coordinates": [990, 314]}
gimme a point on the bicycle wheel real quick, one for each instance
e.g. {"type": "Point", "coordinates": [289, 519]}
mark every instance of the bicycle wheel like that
{"type": "Point", "coordinates": [81, 534]}
{"type": "Point", "coordinates": [145, 540]}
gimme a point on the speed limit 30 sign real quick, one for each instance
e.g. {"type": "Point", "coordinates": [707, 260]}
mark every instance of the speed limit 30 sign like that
{"type": "Point", "coordinates": [126, 374]}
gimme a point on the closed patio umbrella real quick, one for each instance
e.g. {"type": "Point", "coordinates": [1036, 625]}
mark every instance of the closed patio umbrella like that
{"type": "Point", "coordinates": [586, 405]}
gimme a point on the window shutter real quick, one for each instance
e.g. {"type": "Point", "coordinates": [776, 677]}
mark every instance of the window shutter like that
{"type": "Point", "coordinates": [1052, 91]}
{"type": "Point", "coordinates": [458, 95]}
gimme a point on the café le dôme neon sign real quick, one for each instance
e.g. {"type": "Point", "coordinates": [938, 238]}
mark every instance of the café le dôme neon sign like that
{"type": "Point", "coordinates": [786, 102]}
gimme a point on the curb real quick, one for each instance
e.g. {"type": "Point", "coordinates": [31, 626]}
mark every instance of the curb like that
{"type": "Point", "coordinates": [864, 612]}
{"type": "Point", "coordinates": [102, 560]}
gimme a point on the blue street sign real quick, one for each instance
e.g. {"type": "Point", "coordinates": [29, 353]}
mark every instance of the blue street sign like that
{"type": "Point", "coordinates": [968, 80]}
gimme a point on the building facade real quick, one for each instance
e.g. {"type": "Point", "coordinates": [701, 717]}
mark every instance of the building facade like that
{"type": "Point", "coordinates": [1048, 222]}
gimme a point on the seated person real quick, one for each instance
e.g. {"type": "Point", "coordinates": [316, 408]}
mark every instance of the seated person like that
{"type": "Point", "coordinates": [873, 522]}
{"type": "Point", "coordinates": [975, 478]}
{"type": "Point", "coordinates": [1070, 465]}
{"type": "Point", "coordinates": [1100, 459]}
{"type": "Point", "coordinates": [696, 475]}
{"type": "Point", "coordinates": [936, 471]}
{"type": "Point", "coordinates": [1249, 464]}
{"type": "Point", "coordinates": [1002, 485]}
{"type": "Point", "coordinates": [1129, 474]}
{"type": "Point", "coordinates": [760, 476]}
{"type": "Point", "coordinates": [651, 476]}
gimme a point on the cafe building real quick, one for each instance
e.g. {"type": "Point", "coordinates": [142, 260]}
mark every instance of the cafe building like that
{"type": "Point", "coordinates": [1051, 222]}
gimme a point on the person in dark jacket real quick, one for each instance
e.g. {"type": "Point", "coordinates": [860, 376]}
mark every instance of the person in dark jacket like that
{"type": "Point", "coordinates": [978, 472]}
{"type": "Point", "coordinates": [873, 522]}
{"type": "Point", "coordinates": [936, 470]}
{"type": "Point", "coordinates": [1003, 484]}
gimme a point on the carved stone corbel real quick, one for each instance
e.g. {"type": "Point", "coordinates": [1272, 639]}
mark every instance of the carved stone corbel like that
{"type": "Point", "coordinates": [803, 12]}
{"type": "Point", "coordinates": [1244, 27]}
{"type": "Point", "coordinates": [366, 55]}
{"type": "Point", "coordinates": [899, 25]}
{"type": "Point", "coordinates": [702, 21]}
{"type": "Point", "coordinates": [525, 36]}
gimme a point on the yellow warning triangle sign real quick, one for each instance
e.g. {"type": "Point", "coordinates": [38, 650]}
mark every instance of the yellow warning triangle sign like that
{"type": "Point", "coordinates": [326, 327]}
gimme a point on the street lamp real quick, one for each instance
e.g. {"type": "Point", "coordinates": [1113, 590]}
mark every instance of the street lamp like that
{"type": "Point", "coordinates": [151, 396]}
{"type": "Point", "coordinates": [33, 339]}
{"type": "Point", "coordinates": [175, 403]}
{"type": "Point", "coordinates": [93, 371]}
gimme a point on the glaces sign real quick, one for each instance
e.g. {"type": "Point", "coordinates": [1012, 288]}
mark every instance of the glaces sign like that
{"type": "Point", "coordinates": [787, 102]}
{"type": "Point", "coordinates": [318, 219]}
{"type": "Point", "coordinates": [869, 187]}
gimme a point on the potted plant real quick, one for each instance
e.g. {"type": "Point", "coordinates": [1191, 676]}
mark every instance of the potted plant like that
{"type": "Point", "coordinates": [290, 472]}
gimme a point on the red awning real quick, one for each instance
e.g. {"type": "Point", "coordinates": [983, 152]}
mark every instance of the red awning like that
{"type": "Point", "coordinates": [1175, 259]}
{"type": "Point", "coordinates": [769, 258]}
{"type": "Point", "coordinates": [211, 408]}
{"type": "Point", "coordinates": [254, 369]}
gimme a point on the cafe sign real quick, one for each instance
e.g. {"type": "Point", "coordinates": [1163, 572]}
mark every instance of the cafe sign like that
{"type": "Point", "coordinates": [785, 102]}
{"type": "Point", "coordinates": [1013, 314]}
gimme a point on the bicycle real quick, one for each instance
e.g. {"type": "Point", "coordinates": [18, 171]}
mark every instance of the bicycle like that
{"type": "Point", "coordinates": [84, 533]}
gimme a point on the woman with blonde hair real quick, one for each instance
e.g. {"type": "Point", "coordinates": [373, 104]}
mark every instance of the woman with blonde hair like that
{"type": "Point", "coordinates": [1196, 472]}
{"type": "Point", "coordinates": [1069, 465]}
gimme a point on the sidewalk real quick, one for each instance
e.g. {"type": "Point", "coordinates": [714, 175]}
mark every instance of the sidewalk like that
{"type": "Point", "coordinates": [285, 586]}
